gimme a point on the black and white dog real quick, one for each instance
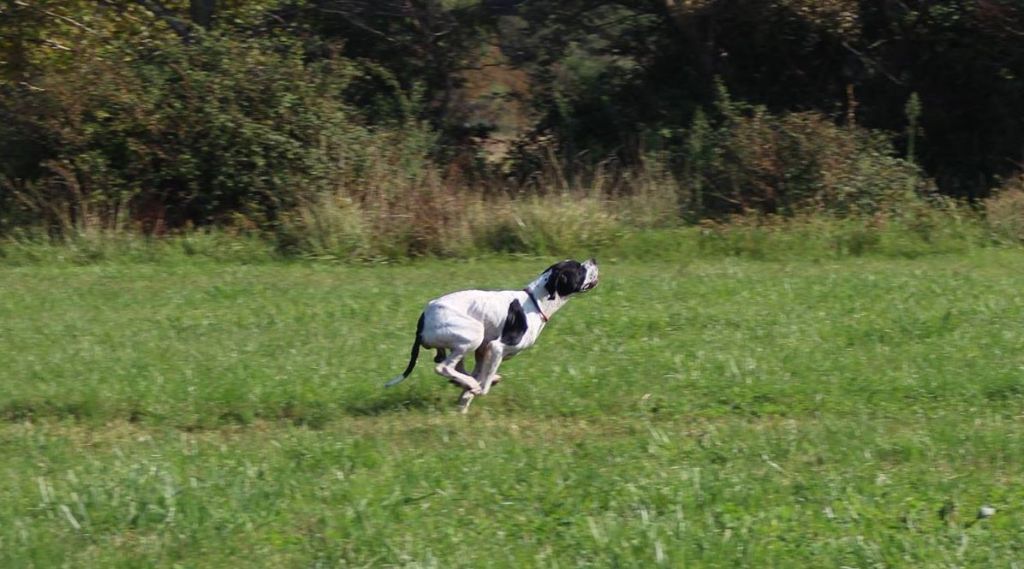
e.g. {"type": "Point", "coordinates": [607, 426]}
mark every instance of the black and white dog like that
{"type": "Point", "coordinates": [493, 324]}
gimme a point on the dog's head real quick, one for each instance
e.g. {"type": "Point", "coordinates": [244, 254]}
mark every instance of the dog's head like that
{"type": "Point", "coordinates": [570, 277]}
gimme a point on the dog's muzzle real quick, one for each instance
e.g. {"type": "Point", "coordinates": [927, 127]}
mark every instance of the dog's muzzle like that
{"type": "Point", "coordinates": [590, 281]}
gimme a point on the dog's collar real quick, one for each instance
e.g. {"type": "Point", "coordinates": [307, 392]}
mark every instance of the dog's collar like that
{"type": "Point", "coordinates": [543, 316]}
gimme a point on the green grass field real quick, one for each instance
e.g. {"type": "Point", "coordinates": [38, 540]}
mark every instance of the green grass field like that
{"type": "Point", "coordinates": [688, 413]}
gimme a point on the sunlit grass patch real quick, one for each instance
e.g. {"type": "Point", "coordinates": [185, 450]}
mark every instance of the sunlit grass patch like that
{"type": "Point", "coordinates": [689, 411]}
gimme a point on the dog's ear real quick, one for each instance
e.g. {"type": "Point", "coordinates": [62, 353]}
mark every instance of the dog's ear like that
{"type": "Point", "coordinates": [566, 278]}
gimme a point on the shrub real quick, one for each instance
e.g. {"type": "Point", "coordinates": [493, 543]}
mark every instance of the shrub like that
{"type": "Point", "coordinates": [747, 160]}
{"type": "Point", "coordinates": [554, 225]}
{"type": "Point", "coordinates": [1004, 212]}
{"type": "Point", "coordinates": [216, 131]}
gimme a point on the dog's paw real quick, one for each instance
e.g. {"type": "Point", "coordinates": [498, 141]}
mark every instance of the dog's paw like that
{"type": "Point", "coordinates": [496, 379]}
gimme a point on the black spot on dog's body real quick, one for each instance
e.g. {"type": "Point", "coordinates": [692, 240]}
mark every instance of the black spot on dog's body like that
{"type": "Point", "coordinates": [566, 278]}
{"type": "Point", "coordinates": [515, 324]}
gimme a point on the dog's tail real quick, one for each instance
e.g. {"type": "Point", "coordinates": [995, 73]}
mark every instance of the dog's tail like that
{"type": "Point", "coordinates": [412, 357]}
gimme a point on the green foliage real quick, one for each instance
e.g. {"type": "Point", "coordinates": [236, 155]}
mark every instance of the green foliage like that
{"type": "Point", "coordinates": [748, 160]}
{"type": "Point", "coordinates": [1004, 212]}
{"type": "Point", "coordinates": [913, 111]}
{"type": "Point", "coordinates": [98, 248]}
{"type": "Point", "coordinates": [196, 133]}
{"type": "Point", "coordinates": [553, 226]}
{"type": "Point", "coordinates": [155, 116]}
{"type": "Point", "coordinates": [558, 226]}
{"type": "Point", "coordinates": [909, 231]}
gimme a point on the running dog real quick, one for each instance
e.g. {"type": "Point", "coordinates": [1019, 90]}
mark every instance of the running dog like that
{"type": "Point", "coordinates": [493, 324]}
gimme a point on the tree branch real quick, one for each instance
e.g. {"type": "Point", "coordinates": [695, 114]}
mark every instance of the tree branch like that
{"type": "Point", "coordinates": [78, 25]}
{"type": "Point", "coordinates": [357, 22]}
{"type": "Point", "coordinates": [871, 63]}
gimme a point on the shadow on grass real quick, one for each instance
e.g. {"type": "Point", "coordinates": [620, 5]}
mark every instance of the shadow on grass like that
{"type": "Point", "coordinates": [313, 414]}
{"type": "Point", "coordinates": [395, 401]}
{"type": "Point", "coordinates": [20, 410]}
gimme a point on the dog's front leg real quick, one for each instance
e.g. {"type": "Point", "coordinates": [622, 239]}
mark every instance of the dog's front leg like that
{"type": "Point", "coordinates": [482, 364]}
{"type": "Point", "coordinates": [464, 400]}
{"type": "Point", "coordinates": [485, 372]}
{"type": "Point", "coordinates": [489, 367]}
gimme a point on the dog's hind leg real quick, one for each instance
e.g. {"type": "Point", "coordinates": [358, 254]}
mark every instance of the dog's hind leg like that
{"type": "Point", "coordinates": [450, 368]}
{"type": "Point", "coordinates": [459, 367]}
{"type": "Point", "coordinates": [459, 334]}
{"type": "Point", "coordinates": [488, 358]}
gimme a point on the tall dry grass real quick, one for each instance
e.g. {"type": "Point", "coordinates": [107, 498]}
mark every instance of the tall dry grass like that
{"type": "Point", "coordinates": [391, 210]}
{"type": "Point", "coordinates": [1004, 211]}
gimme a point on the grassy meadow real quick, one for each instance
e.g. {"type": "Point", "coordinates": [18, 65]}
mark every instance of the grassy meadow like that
{"type": "Point", "coordinates": [692, 411]}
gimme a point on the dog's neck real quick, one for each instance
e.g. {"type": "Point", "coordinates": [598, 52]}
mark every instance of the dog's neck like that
{"type": "Point", "coordinates": [539, 298]}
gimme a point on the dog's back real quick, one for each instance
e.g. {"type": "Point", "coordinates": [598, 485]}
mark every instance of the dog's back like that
{"type": "Point", "coordinates": [466, 308]}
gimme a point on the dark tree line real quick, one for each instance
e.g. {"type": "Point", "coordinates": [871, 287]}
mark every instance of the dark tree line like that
{"type": "Point", "coordinates": [209, 107]}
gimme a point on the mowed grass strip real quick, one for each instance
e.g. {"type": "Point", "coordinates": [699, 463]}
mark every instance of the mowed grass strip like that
{"type": "Point", "coordinates": [438, 490]}
{"type": "Point", "coordinates": [705, 413]}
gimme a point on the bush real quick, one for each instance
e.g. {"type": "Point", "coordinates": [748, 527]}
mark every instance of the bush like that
{"type": "Point", "coordinates": [1004, 212]}
{"type": "Point", "coordinates": [213, 132]}
{"type": "Point", "coordinates": [747, 160]}
{"type": "Point", "coordinates": [556, 225]}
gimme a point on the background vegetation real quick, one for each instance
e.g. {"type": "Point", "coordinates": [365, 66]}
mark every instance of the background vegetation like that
{"type": "Point", "coordinates": [805, 349]}
{"type": "Point", "coordinates": [385, 129]}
